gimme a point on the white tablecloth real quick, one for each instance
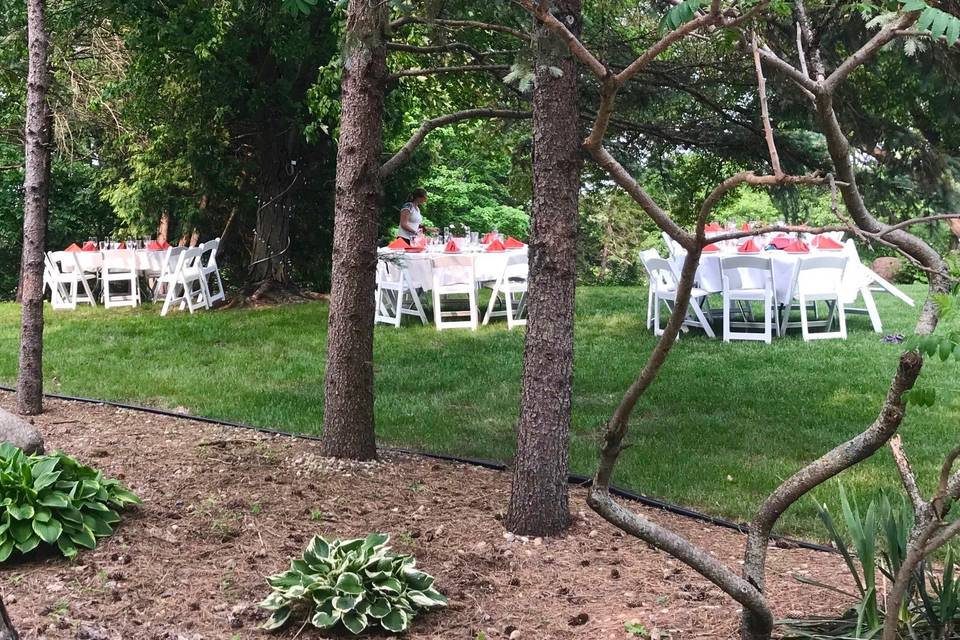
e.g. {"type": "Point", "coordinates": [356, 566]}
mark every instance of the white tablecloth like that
{"type": "Point", "coordinates": [419, 266]}
{"type": "Point", "coordinates": [785, 267]}
{"type": "Point", "coordinates": [90, 261]}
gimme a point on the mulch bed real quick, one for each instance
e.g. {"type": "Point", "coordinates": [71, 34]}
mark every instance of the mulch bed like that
{"type": "Point", "coordinates": [223, 508]}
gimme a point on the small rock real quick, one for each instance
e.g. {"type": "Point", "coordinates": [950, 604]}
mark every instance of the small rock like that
{"type": "Point", "coordinates": [593, 533]}
{"type": "Point", "coordinates": [515, 635]}
{"type": "Point", "coordinates": [578, 620]}
{"type": "Point", "coordinates": [86, 632]}
{"type": "Point", "coordinates": [614, 573]}
{"type": "Point", "coordinates": [537, 542]}
{"type": "Point", "coordinates": [20, 433]}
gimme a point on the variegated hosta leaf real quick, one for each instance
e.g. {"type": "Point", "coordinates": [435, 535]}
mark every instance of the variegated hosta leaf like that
{"type": "Point", "coordinates": [351, 584]}
{"type": "Point", "coordinates": [396, 621]}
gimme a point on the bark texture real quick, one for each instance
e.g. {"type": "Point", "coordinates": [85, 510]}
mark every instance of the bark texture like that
{"type": "Point", "coordinates": [39, 125]}
{"type": "Point", "coordinates": [348, 424]}
{"type": "Point", "coordinates": [7, 630]}
{"type": "Point", "coordinates": [538, 496]}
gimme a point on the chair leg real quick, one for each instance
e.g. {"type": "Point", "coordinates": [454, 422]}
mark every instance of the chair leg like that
{"type": "Point", "coordinates": [417, 305]}
{"type": "Point", "coordinates": [842, 318]}
{"type": "Point", "coordinates": [493, 300]}
{"type": "Point", "coordinates": [767, 319]}
{"type": "Point", "coordinates": [871, 306]}
{"type": "Point", "coordinates": [804, 324]}
{"type": "Point", "coordinates": [656, 316]}
{"type": "Point", "coordinates": [697, 311]}
{"type": "Point", "coordinates": [474, 314]}
{"type": "Point", "coordinates": [509, 302]}
{"type": "Point", "coordinates": [398, 318]}
{"type": "Point", "coordinates": [437, 310]}
{"type": "Point", "coordinates": [649, 306]}
{"type": "Point", "coordinates": [726, 318]}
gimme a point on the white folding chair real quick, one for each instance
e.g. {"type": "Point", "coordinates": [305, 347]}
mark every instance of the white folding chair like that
{"type": "Point", "coordinates": [209, 270]}
{"type": "Point", "coordinates": [645, 255]}
{"type": "Point", "coordinates": [183, 283]}
{"type": "Point", "coordinates": [69, 284]}
{"type": "Point", "coordinates": [663, 282]}
{"type": "Point", "coordinates": [512, 282]}
{"type": "Point", "coordinates": [748, 279]}
{"type": "Point", "coordinates": [395, 296]}
{"type": "Point", "coordinates": [861, 280]}
{"type": "Point", "coordinates": [119, 268]}
{"type": "Point", "coordinates": [168, 263]}
{"type": "Point", "coordinates": [454, 276]}
{"type": "Point", "coordinates": [818, 279]}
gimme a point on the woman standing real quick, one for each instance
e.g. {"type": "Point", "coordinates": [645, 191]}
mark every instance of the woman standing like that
{"type": "Point", "coordinates": [411, 220]}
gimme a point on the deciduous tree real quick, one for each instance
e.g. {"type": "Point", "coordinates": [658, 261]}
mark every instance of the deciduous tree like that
{"type": "Point", "coordinates": [38, 136]}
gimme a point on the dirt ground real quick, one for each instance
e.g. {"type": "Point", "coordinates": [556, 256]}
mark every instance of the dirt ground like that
{"type": "Point", "coordinates": [223, 508]}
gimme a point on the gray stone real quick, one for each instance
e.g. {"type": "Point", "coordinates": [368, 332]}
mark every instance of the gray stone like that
{"type": "Point", "coordinates": [20, 433]}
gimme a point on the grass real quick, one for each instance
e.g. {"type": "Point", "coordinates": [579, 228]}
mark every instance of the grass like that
{"type": "Point", "coordinates": [720, 428]}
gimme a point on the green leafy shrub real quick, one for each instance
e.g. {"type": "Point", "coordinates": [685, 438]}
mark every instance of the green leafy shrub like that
{"type": "Point", "coordinates": [358, 583]}
{"type": "Point", "coordinates": [874, 544]}
{"type": "Point", "coordinates": [53, 499]}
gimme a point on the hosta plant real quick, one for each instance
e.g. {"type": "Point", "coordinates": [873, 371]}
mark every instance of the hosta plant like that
{"type": "Point", "coordinates": [358, 584]}
{"type": "Point", "coordinates": [54, 500]}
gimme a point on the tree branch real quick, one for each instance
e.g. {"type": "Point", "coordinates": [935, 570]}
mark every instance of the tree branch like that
{"type": "Point", "coordinates": [764, 113]}
{"type": "Point", "coordinates": [401, 156]}
{"type": "Point", "coordinates": [460, 24]}
{"type": "Point", "coordinates": [467, 68]}
{"type": "Point", "coordinates": [907, 476]}
{"type": "Point", "coordinates": [864, 53]}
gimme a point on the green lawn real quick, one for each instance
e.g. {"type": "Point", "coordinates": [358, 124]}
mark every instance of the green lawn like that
{"type": "Point", "coordinates": [720, 427]}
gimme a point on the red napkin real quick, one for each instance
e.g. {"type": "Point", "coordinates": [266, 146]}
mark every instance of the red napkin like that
{"type": "Point", "coordinates": [490, 237]}
{"type": "Point", "coordinates": [781, 242]}
{"type": "Point", "coordinates": [513, 243]}
{"type": "Point", "coordinates": [745, 226]}
{"type": "Point", "coordinates": [713, 226]}
{"type": "Point", "coordinates": [73, 248]}
{"type": "Point", "coordinates": [399, 243]}
{"type": "Point", "coordinates": [451, 247]}
{"type": "Point", "coordinates": [495, 245]}
{"type": "Point", "coordinates": [748, 247]}
{"type": "Point", "coordinates": [89, 246]}
{"type": "Point", "coordinates": [797, 246]}
{"type": "Point", "coordinates": [826, 243]}
{"type": "Point", "coordinates": [123, 245]}
{"type": "Point", "coordinates": [711, 248]}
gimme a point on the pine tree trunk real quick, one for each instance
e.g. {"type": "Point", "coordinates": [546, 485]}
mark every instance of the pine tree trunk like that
{"type": "Point", "coordinates": [7, 630]}
{"type": "Point", "coordinates": [39, 124]}
{"type": "Point", "coordinates": [271, 243]}
{"type": "Point", "coordinates": [538, 497]}
{"type": "Point", "coordinates": [348, 426]}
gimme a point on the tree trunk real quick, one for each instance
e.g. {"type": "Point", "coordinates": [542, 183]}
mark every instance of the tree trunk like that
{"type": "Point", "coordinates": [163, 228]}
{"type": "Point", "coordinates": [7, 631]}
{"type": "Point", "coordinates": [538, 497]}
{"type": "Point", "coordinates": [271, 243]}
{"type": "Point", "coordinates": [39, 124]}
{"type": "Point", "coordinates": [348, 426]}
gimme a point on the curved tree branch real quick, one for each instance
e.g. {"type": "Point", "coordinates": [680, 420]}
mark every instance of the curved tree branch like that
{"type": "Point", "coordinates": [401, 156]}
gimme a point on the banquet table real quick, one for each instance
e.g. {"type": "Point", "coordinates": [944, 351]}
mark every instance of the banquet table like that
{"type": "Point", "coordinates": [148, 261]}
{"type": "Point", "coordinates": [785, 266]}
{"type": "Point", "coordinates": [419, 266]}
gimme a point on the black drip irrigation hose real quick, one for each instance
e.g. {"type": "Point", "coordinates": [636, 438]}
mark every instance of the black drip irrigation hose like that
{"type": "Point", "coordinates": [575, 479]}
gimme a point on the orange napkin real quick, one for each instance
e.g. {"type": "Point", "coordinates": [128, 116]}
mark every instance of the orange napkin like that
{"type": "Point", "coordinates": [713, 226]}
{"type": "Point", "coordinates": [745, 226]}
{"type": "Point", "coordinates": [797, 246]}
{"type": "Point", "coordinates": [399, 243]}
{"type": "Point", "coordinates": [495, 245]}
{"type": "Point", "coordinates": [451, 247]}
{"type": "Point", "coordinates": [73, 248]}
{"type": "Point", "coordinates": [781, 242]}
{"type": "Point", "coordinates": [711, 248]}
{"type": "Point", "coordinates": [748, 247]}
{"type": "Point", "coordinates": [826, 243]}
{"type": "Point", "coordinates": [89, 246]}
{"type": "Point", "coordinates": [513, 243]}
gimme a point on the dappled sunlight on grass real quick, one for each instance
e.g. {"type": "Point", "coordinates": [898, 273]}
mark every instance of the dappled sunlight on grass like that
{"type": "Point", "coordinates": [717, 430]}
